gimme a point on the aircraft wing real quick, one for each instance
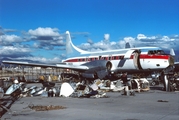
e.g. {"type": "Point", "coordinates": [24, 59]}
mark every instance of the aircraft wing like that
{"type": "Point", "coordinates": [60, 65]}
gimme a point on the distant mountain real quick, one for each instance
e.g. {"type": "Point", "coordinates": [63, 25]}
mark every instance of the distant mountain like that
{"type": "Point", "coordinates": [4, 59]}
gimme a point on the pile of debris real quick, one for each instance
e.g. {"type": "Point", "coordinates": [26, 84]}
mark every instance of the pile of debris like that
{"type": "Point", "coordinates": [69, 88]}
{"type": "Point", "coordinates": [45, 108]}
{"type": "Point", "coordinates": [96, 89]}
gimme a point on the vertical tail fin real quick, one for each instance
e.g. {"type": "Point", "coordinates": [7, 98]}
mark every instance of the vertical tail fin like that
{"type": "Point", "coordinates": [172, 52]}
{"type": "Point", "coordinates": [127, 45]}
{"type": "Point", "coordinates": [70, 46]}
{"type": "Point", "coordinates": [68, 43]}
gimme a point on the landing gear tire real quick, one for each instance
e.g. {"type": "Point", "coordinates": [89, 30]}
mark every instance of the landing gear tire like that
{"type": "Point", "coordinates": [166, 83]}
{"type": "Point", "coordinates": [108, 66]}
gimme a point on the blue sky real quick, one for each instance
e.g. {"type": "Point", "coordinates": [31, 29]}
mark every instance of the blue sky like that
{"type": "Point", "coordinates": [34, 29]}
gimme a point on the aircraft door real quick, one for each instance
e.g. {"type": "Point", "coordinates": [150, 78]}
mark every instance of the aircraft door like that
{"type": "Point", "coordinates": [136, 60]}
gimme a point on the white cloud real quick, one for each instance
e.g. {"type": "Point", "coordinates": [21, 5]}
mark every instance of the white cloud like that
{"type": "Point", "coordinates": [46, 38]}
{"type": "Point", "coordinates": [141, 36]}
{"type": "Point", "coordinates": [106, 37]}
{"type": "Point", "coordinates": [44, 32]}
{"type": "Point", "coordinates": [122, 43]}
{"type": "Point", "coordinates": [152, 37]}
{"type": "Point", "coordinates": [7, 39]}
{"type": "Point", "coordinates": [113, 43]}
{"type": "Point", "coordinates": [50, 39]}
{"type": "Point", "coordinates": [101, 45]}
{"type": "Point", "coordinates": [144, 37]}
{"type": "Point", "coordinates": [57, 42]}
{"type": "Point", "coordinates": [140, 41]}
{"type": "Point", "coordinates": [166, 38]}
{"type": "Point", "coordinates": [85, 46]}
{"type": "Point", "coordinates": [35, 45]}
{"type": "Point", "coordinates": [14, 51]}
{"type": "Point", "coordinates": [129, 39]}
{"type": "Point", "coordinates": [90, 41]}
{"type": "Point", "coordinates": [132, 41]}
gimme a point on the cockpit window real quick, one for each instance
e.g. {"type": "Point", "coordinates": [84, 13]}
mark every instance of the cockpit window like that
{"type": "Point", "coordinates": [156, 52]}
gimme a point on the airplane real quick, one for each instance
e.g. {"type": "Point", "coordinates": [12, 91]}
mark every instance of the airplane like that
{"type": "Point", "coordinates": [100, 64]}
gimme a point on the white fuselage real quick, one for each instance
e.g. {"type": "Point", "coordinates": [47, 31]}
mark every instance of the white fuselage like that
{"type": "Point", "coordinates": [129, 59]}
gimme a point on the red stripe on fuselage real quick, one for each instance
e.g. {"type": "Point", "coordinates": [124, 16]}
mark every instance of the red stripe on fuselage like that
{"type": "Point", "coordinates": [142, 56]}
{"type": "Point", "coordinates": [146, 56]}
{"type": "Point", "coordinates": [71, 60]}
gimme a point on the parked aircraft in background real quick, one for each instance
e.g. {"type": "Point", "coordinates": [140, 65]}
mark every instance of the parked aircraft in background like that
{"type": "Point", "coordinates": [102, 64]}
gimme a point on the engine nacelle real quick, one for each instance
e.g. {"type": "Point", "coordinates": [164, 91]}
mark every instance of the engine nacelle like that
{"type": "Point", "coordinates": [97, 69]}
{"type": "Point", "coordinates": [99, 65]}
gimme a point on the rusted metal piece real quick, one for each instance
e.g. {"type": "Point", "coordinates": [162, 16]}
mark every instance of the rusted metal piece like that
{"type": "Point", "coordinates": [46, 107]}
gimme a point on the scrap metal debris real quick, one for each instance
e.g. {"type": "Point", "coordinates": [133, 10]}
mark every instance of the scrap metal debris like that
{"type": "Point", "coordinates": [1, 92]}
{"type": "Point", "coordinates": [68, 88]}
{"type": "Point", "coordinates": [45, 107]}
{"type": "Point", "coordinates": [96, 88]}
{"type": "Point", "coordinates": [81, 89]}
{"type": "Point", "coordinates": [162, 101]}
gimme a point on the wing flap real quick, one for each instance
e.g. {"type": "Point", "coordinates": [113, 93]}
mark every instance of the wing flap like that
{"type": "Point", "coordinates": [74, 67]}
